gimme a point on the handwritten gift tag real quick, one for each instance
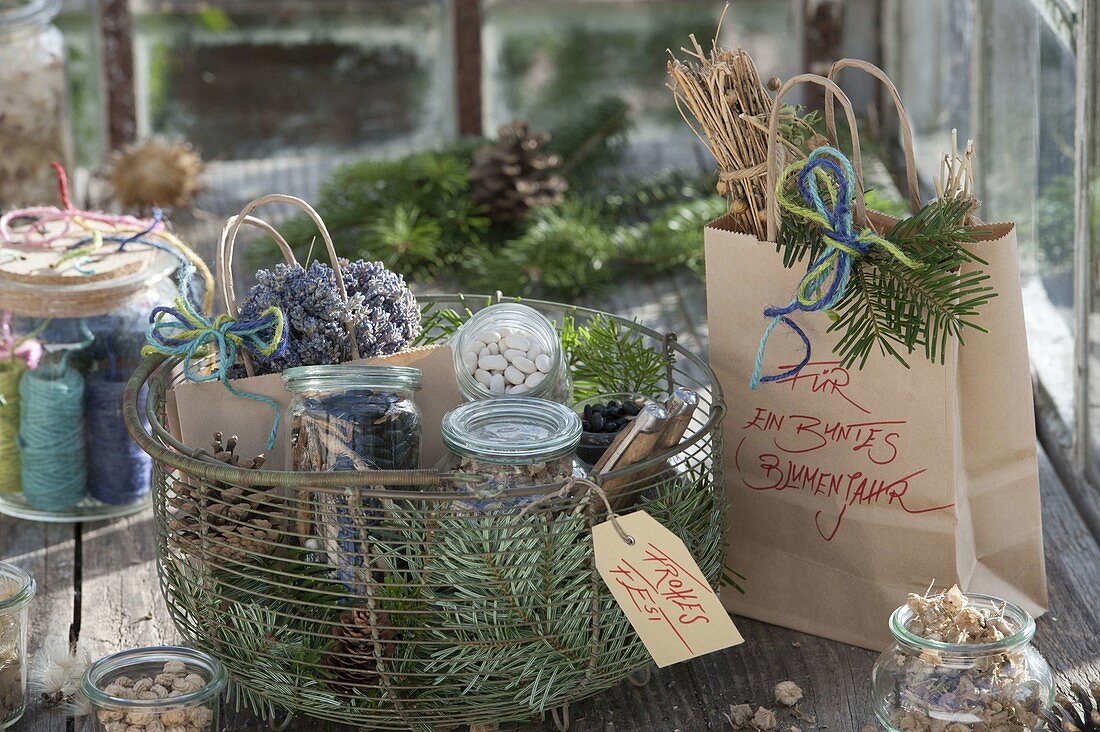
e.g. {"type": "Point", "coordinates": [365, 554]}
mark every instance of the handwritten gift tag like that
{"type": "Point", "coordinates": [661, 589]}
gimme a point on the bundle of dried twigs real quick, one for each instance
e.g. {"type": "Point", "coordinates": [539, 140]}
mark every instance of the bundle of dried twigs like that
{"type": "Point", "coordinates": [730, 106]}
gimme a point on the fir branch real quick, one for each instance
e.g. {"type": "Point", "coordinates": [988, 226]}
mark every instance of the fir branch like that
{"type": "Point", "coordinates": [609, 358]}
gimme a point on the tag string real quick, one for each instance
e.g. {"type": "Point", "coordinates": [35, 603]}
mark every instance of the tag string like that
{"type": "Point", "coordinates": [591, 487]}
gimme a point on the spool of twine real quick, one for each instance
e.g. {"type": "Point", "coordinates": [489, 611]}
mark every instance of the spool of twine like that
{"type": "Point", "coordinates": [10, 372]}
{"type": "Point", "coordinates": [118, 470]}
{"type": "Point", "coordinates": [51, 438]}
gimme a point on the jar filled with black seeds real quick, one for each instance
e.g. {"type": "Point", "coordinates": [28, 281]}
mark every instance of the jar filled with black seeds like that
{"type": "Point", "coordinates": [351, 418]}
{"type": "Point", "coordinates": [512, 444]}
{"type": "Point", "coordinates": [603, 417]}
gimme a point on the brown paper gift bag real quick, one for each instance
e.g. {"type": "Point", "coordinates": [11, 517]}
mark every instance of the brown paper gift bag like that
{"type": "Point", "coordinates": [197, 410]}
{"type": "Point", "coordinates": [850, 488]}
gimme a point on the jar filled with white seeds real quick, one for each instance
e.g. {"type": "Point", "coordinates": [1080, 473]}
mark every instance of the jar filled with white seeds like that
{"type": "Point", "coordinates": [34, 124]}
{"type": "Point", "coordinates": [510, 349]}
{"type": "Point", "coordinates": [513, 444]}
{"type": "Point", "coordinates": [155, 689]}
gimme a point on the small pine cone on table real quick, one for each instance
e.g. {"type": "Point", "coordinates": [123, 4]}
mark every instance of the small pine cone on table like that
{"type": "Point", "coordinates": [351, 656]}
{"type": "Point", "coordinates": [514, 175]}
{"type": "Point", "coordinates": [228, 520]}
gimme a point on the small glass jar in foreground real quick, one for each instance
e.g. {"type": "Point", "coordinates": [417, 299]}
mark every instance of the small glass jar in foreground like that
{"type": "Point", "coordinates": [16, 591]}
{"type": "Point", "coordinates": [353, 417]}
{"type": "Point", "coordinates": [923, 685]}
{"type": "Point", "coordinates": [155, 689]}
{"type": "Point", "coordinates": [512, 442]}
{"type": "Point", "coordinates": [510, 349]}
{"type": "Point", "coordinates": [34, 127]}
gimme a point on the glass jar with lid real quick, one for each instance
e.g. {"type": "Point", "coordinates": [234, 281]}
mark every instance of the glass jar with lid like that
{"type": "Point", "coordinates": [512, 443]}
{"type": "Point", "coordinates": [158, 688]}
{"type": "Point", "coordinates": [34, 127]}
{"type": "Point", "coordinates": [509, 349]}
{"type": "Point", "coordinates": [920, 684]}
{"type": "Point", "coordinates": [351, 417]}
{"type": "Point", "coordinates": [354, 417]}
{"type": "Point", "coordinates": [16, 591]}
{"type": "Point", "coordinates": [76, 289]}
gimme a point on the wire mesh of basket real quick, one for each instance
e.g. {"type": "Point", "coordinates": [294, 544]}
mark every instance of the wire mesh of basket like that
{"type": "Point", "coordinates": [390, 599]}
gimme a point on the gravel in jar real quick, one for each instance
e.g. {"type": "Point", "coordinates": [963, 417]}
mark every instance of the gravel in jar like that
{"type": "Point", "coordinates": [174, 680]}
{"type": "Point", "coordinates": [506, 361]}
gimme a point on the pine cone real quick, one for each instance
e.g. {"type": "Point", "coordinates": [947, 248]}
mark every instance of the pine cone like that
{"type": "Point", "coordinates": [351, 653]}
{"type": "Point", "coordinates": [1065, 717]}
{"type": "Point", "coordinates": [512, 175]}
{"type": "Point", "coordinates": [230, 521]}
{"type": "Point", "coordinates": [155, 173]}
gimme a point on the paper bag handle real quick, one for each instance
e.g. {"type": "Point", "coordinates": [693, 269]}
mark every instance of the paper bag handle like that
{"type": "Point", "coordinates": [903, 119]}
{"type": "Point", "coordinates": [773, 134]}
{"type": "Point", "coordinates": [224, 257]}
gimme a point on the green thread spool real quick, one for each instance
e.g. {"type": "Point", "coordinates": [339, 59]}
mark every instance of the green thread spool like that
{"type": "Point", "coordinates": [10, 373]}
{"type": "Point", "coordinates": [51, 437]}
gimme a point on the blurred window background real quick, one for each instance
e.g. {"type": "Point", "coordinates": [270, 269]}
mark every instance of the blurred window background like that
{"type": "Point", "coordinates": [276, 93]}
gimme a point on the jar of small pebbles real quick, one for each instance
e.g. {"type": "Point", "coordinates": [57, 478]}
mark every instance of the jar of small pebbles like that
{"type": "Point", "coordinates": [160, 689]}
{"type": "Point", "coordinates": [510, 349]}
{"type": "Point", "coordinates": [961, 662]}
{"type": "Point", "coordinates": [34, 126]}
{"type": "Point", "coordinates": [513, 443]}
{"type": "Point", "coordinates": [16, 591]}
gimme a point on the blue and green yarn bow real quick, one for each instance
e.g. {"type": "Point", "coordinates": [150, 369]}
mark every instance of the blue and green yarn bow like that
{"type": "Point", "coordinates": [826, 280]}
{"type": "Point", "coordinates": [184, 331]}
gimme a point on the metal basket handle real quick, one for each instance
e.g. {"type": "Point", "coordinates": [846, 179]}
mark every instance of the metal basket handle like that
{"type": "Point", "coordinates": [229, 237]}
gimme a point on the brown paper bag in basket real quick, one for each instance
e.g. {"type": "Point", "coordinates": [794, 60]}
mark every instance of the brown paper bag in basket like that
{"type": "Point", "coordinates": [198, 410]}
{"type": "Point", "coordinates": [851, 488]}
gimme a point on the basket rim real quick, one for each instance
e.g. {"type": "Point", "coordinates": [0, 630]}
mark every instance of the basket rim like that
{"type": "Point", "coordinates": [165, 449]}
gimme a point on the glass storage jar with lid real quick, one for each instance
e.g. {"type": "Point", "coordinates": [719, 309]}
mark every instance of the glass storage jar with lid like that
{"type": "Point", "coordinates": [16, 591]}
{"type": "Point", "coordinates": [72, 324]}
{"type": "Point", "coordinates": [158, 688]}
{"type": "Point", "coordinates": [34, 128]}
{"type": "Point", "coordinates": [512, 443]}
{"type": "Point", "coordinates": [921, 685]}
{"type": "Point", "coordinates": [509, 349]}
{"type": "Point", "coordinates": [354, 417]}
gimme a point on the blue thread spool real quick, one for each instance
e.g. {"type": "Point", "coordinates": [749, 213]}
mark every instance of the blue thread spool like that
{"type": "Point", "coordinates": [118, 470]}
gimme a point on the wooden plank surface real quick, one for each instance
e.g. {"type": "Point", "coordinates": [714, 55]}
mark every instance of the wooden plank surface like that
{"type": "Point", "coordinates": [107, 591]}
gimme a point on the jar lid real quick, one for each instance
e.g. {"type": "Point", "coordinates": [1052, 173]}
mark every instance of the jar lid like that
{"type": "Point", "coordinates": [342, 376]}
{"type": "Point", "coordinates": [512, 430]}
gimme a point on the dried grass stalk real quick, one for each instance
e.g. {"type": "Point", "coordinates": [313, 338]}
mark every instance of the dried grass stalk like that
{"type": "Point", "coordinates": [722, 91]}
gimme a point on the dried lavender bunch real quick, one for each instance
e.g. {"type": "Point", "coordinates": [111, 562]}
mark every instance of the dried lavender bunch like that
{"type": "Point", "coordinates": [380, 307]}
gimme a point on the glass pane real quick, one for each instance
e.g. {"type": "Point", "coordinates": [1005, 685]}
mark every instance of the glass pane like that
{"type": "Point", "coordinates": [245, 80]}
{"type": "Point", "coordinates": [548, 60]}
{"type": "Point", "coordinates": [77, 21]}
{"type": "Point", "coordinates": [1001, 72]}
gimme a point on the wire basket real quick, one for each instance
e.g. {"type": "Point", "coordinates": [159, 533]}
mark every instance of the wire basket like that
{"type": "Point", "coordinates": [452, 614]}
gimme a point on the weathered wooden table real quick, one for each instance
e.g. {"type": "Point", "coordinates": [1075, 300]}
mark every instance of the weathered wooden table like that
{"type": "Point", "coordinates": [98, 587]}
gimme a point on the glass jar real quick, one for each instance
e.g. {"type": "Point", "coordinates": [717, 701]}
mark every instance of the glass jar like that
{"type": "Point", "coordinates": [512, 442]}
{"type": "Point", "coordinates": [920, 684]}
{"type": "Point", "coordinates": [34, 128]}
{"type": "Point", "coordinates": [510, 349]}
{"type": "Point", "coordinates": [603, 417]}
{"type": "Point", "coordinates": [16, 591]}
{"type": "Point", "coordinates": [158, 688]}
{"type": "Point", "coordinates": [349, 418]}
{"type": "Point", "coordinates": [352, 417]}
{"type": "Point", "coordinates": [66, 352]}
